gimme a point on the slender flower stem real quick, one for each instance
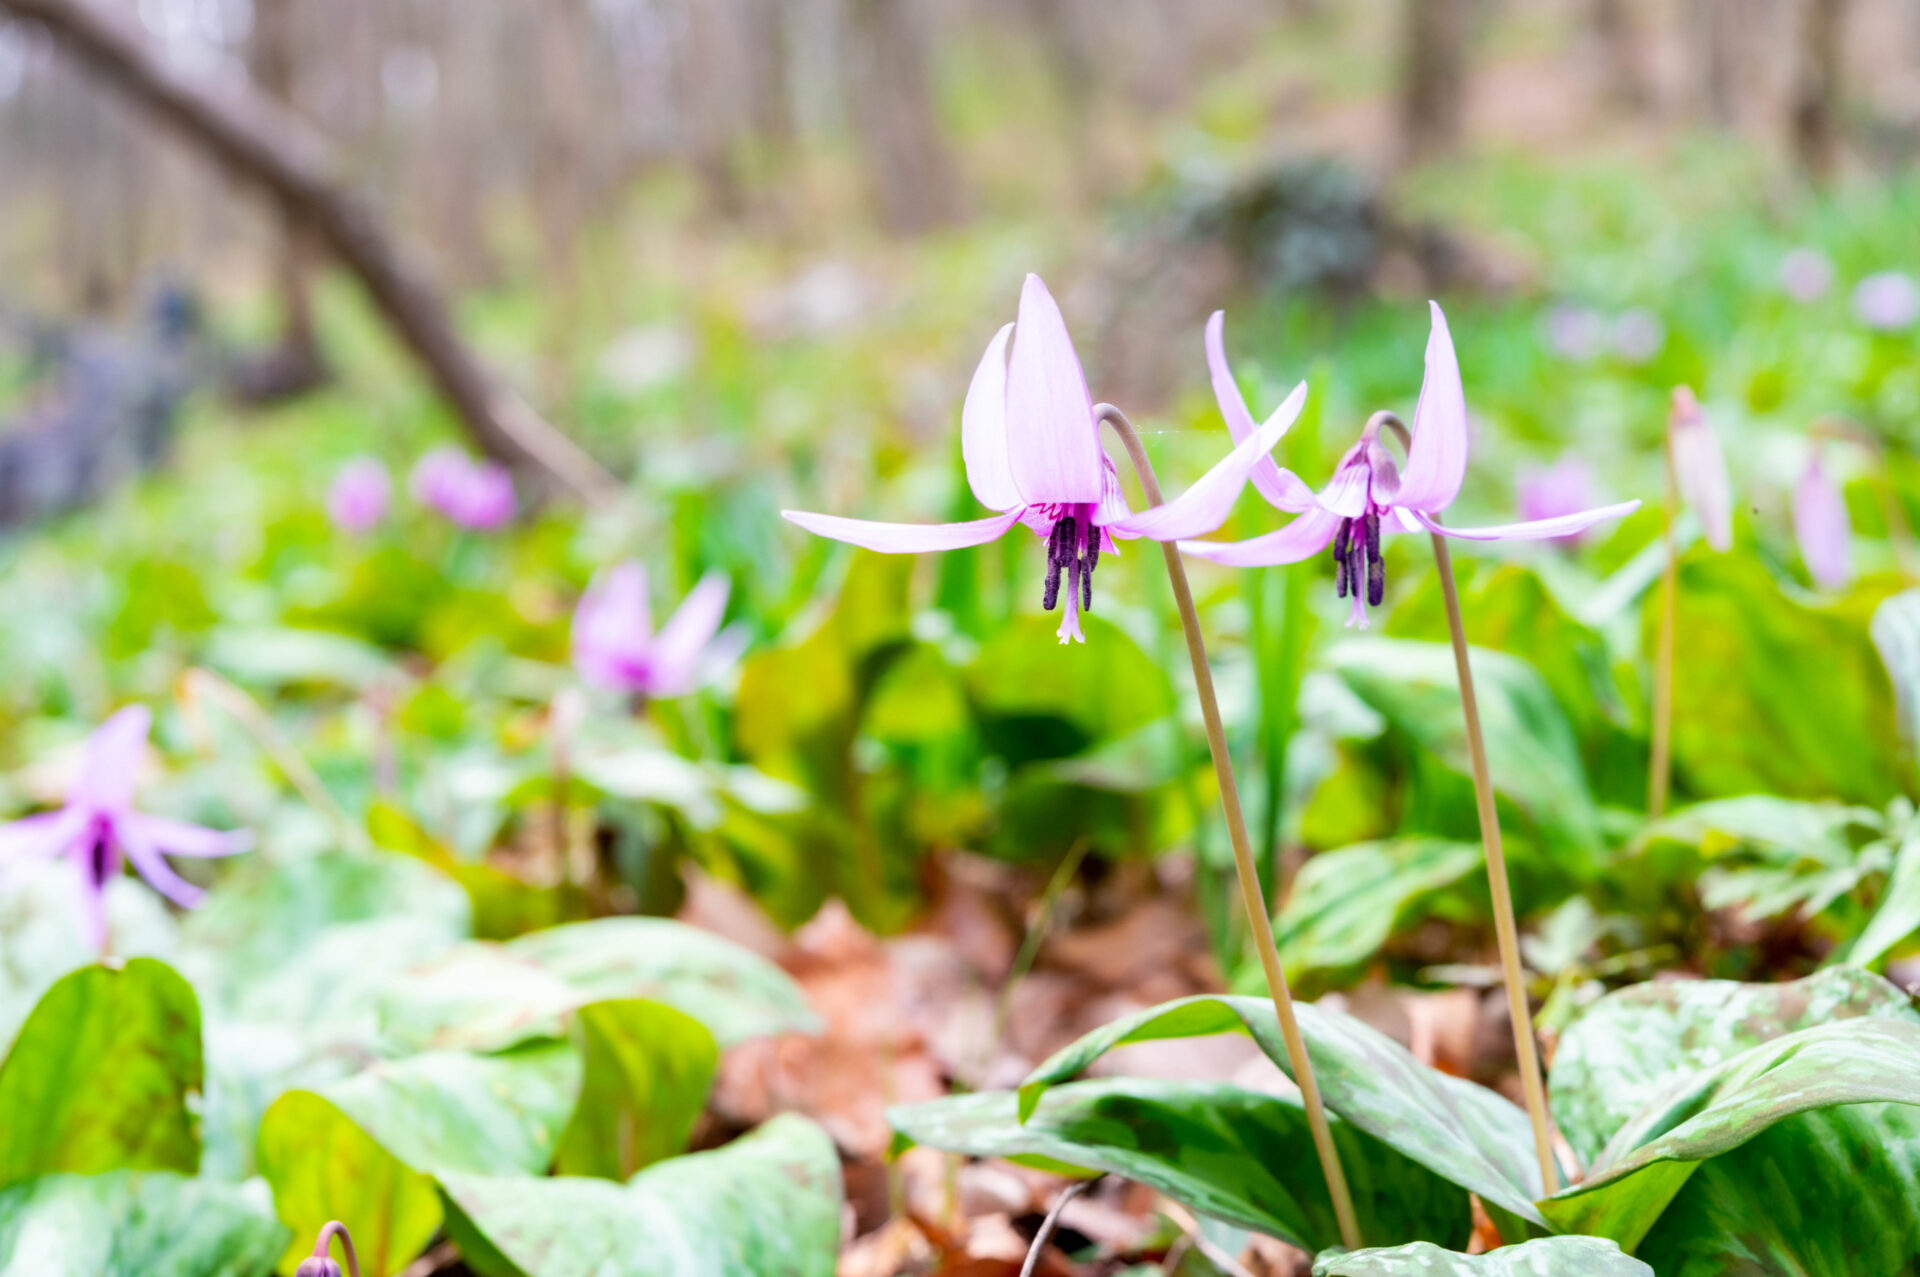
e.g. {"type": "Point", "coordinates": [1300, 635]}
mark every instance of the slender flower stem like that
{"type": "Point", "coordinates": [1250, 893]}
{"type": "Point", "coordinates": [1052, 1222]}
{"type": "Point", "coordinates": [1503, 924]}
{"type": "Point", "coordinates": [1659, 762]}
{"type": "Point", "coordinates": [322, 1247]}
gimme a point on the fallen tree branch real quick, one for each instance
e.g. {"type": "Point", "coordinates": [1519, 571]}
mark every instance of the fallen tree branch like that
{"type": "Point", "coordinates": [255, 137]}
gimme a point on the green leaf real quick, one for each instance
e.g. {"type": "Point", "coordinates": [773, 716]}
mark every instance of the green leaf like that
{"type": "Point", "coordinates": [1345, 904]}
{"type": "Point", "coordinates": [485, 996]}
{"type": "Point", "coordinates": [1547, 1257]}
{"type": "Point", "coordinates": [1861, 1061]}
{"type": "Point", "coordinates": [1463, 1132]}
{"type": "Point", "coordinates": [101, 1075]}
{"type": "Point", "coordinates": [137, 1224]}
{"type": "Point", "coordinates": [1898, 915]}
{"type": "Point", "coordinates": [648, 1071]}
{"type": "Point", "coordinates": [1239, 1156]}
{"type": "Point", "coordinates": [1038, 700]}
{"type": "Point", "coordinates": [282, 657]}
{"type": "Point", "coordinates": [1772, 696]}
{"type": "Point", "coordinates": [1531, 750]}
{"type": "Point", "coordinates": [1896, 634]}
{"type": "Point", "coordinates": [766, 1205]}
{"type": "Point", "coordinates": [363, 1149]}
{"type": "Point", "coordinates": [1630, 1046]}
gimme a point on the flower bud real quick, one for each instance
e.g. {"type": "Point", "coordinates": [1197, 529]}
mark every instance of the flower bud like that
{"type": "Point", "coordinates": [317, 1266]}
{"type": "Point", "coordinates": [1700, 468]}
{"type": "Point", "coordinates": [1820, 523]}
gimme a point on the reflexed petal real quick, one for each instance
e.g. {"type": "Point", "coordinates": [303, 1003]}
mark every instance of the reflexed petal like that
{"type": "Point", "coordinates": [1112, 510]}
{"type": "Point", "coordinates": [1305, 537]}
{"type": "Point", "coordinates": [151, 865]}
{"type": "Point", "coordinates": [983, 429]}
{"type": "Point", "coordinates": [112, 760]}
{"type": "Point", "coordinates": [42, 837]}
{"type": "Point", "coordinates": [1535, 530]}
{"type": "Point", "coordinates": [612, 627]}
{"type": "Point", "coordinates": [1347, 493]}
{"type": "Point", "coordinates": [1281, 487]}
{"type": "Point", "coordinates": [1821, 524]}
{"type": "Point", "coordinates": [179, 838]}
{"type": "Point", "coordinates": [904, 538]}
{"type": "Point", "coordinates": [1052, 447]}
{"type": "Point", "coordinates": [1437, 457]}
{"type": "Point", "coordinates": [676, 653]}
{"type": "Point", "coordinates": [1700, 468]}
{"type": "Point", "coordinates": [1205, 506]}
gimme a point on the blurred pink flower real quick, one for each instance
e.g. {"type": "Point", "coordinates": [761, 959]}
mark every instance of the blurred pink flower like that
{"type": "Point", "coordinates": [1551, 492]}
{"type": "Point", "coordinates": [1888, 301]}
{"type": "Point", "coordinates": [1805, 274]}
{"type": "Point", "coordinates": [472, 493]}
{"type": "Point", "coordinates": [1369, 494]}
{"type": "Point", "coordinates": [1700, 468]}
{"type": "Point", "coordinates": [1576, 332]}
{"type": "Point", "coordinates": [99, 824]}
{"type": "Point", "coordinates": [1638, 335]}
{"type": "Point", "coordinates": [1821, 524]}
{"type": "Point", "coordinates": [615, 646]}
{"type": "Point", "coordinates": [357, 502]}
{"type": "Point", "coordinates": [1031, 446]}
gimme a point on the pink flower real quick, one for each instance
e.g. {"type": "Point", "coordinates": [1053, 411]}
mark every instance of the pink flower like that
{"type": "Point", "coordinates": [1889, 301]}
{"type": "Point", "coordinates": [1032, 450]}
{"type": "Point", "coordinates": [1551, 492]}
{"type": "Point", "coordinates": [473, 493]}
{"type": "Point", "coordinates": [1576, 332]}
{"type": "Point", "coordinates": [357, 502]}
{"type": "Point", "coordinates": [1638, 335]}
{"type": "Point", "coordinates": [1700, 468]}
{"type": "Point", "coordinates": [98, 825]}
{"type": "Point", "coordinates": [615, 646]}
{"type": "Point", "coordinates": [1368, 494]}
{"type": "Point", "coordinates": [1820, 523]}
{"type": "Point", "coordinates": [1805, 274]}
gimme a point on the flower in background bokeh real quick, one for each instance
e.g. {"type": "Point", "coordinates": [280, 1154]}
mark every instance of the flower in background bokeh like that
{"type": "Point", "coordinates": [1888, 301]}
{"type": "Point", "coordinates": [472, 493]}
{"type": "Point", "coordinates": [99, 825]}
{"type": "Point", "coordinates": [1576, 332]}
{"type": "Point", "coordinates": [1700, 468]}
{"type": "Point", "coordinates": [358, 500]}
{"type": "Point", "coordinates": [1820, 523]}
{"type": "Point", "coordinates": [615, 646]}
{"type": "Point", "coordinates": [1552, 492]}
{"type": "Point", "coordinates": [1369, 495]}
{"type": "Point", "coordinates": [1805, 274]}
{"type": "Point", "coordinates": [1032, 450]}
{"type": "Point", "coordinates": [1638, 335]}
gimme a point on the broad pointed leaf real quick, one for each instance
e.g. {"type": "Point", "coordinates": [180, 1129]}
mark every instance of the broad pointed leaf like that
{"type": "Point", "coordinates": [1897, 916]}
{"type": "Point", "coordinates": [1632, 1045]}
{"type": "Point", "coordinates": [648, 1071]}
{"type": "Point", "coordinates": [1346, 903]}
{"type": "Point", "coordinates": [363, 1149]}
{"type": "Point", "coordinates": [1466, 1133]}
{"type": "Point", "coordinates": [102, 1075]}
{"type": "Point", "coordinates": [766, 1205]}
{"type": "Point", "coordinates": [1239, 1156]}
{"type": "Point", "coordinates": [137, 1224]}
{"type": "Point", "coordinates": [1547, 1257]}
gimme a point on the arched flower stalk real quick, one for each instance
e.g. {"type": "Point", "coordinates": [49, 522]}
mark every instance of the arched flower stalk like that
{"type": "Point", "coordinates": [1370, 496]}
{"type": "Point", "coordinates": [321, 1263]}
{"type": "Point", "coordinates": [1030, 437]}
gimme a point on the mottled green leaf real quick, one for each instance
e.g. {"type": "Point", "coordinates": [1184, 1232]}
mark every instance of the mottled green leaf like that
{"type": "Point", "coordinates": [1466, 1133]}
{"type": "Point", "coordinates": [1832, 1193]}
{"type": "Point", "coordinates": [1632, 1045]}
{"type": "Point", "coordinates": [101, 1076]}
{"type": "Point", "coordinates": [1869, 1060]}
{"type": "Point", "coordinates": [1531, 750]}
{"type": "Point", "coordinates": [1345, 904]}
{"type": "Point", "coordinates": [1897, 916]}
{"type": "Point", "coordinates": [648, 1070]}
{"type": "Point", "coordinates": [1239, 1156]}
{"type": "Point", "coordinates": [137, 1224]}
{"type": "Point", "coordinates": [363, 1149]}
{"type": "Point", "coordinates": [1038, 700]}
{"type": "Point", "coordinates": [766, 1205]}
{"type": "Point", "coordinates": [1547, 1257]}
{"type": "Point", "coordinates": [482, 996]}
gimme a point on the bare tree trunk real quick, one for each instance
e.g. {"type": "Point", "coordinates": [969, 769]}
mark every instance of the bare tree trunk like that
{"type": "Point", "coordinates": [294, 365]}
{"type": "Point", "coordinates": [253, 136]}
{"type": "Point", "coordinates": [1073, 71]}
{"type": "Point", "coordinates": [1818, 75]}
{"type": "Point", "coordinates": [1433, 87]}
{"type": "Point", "coordinates": [1716, 40]}
{"type": "Point", "coordinates": [1623, 54]}
{"type": "Point", "coordinates": [915, 182]}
